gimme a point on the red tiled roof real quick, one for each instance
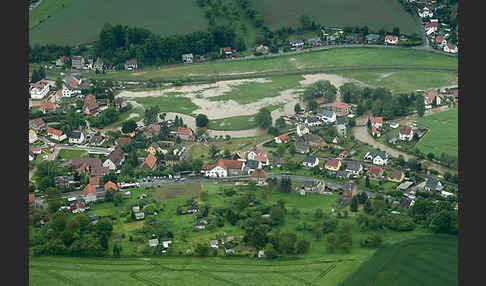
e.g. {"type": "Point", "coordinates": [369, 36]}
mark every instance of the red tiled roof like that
{"type": "Point", "coordinates": [262, 158]}
{"type": "Point", "coordinates": [391, 38]}
{"type": "Point", "coordinates": [406, 130]}
{"type": "Point", "coordinates": [431, 24]}
{"type": "Point", "coordinates": [89, 189]}
{"type": "Point", "coordinates": [153, 128]}
{"type": "Point", "coordinates": [284, 137]}
{"type": "Point", "coordinates": [94, 181]}
{"type": "Point", "coordinates": [53, 131]}
{"type": "Point", "coordinates": [378, 119]}
{"type": "Point", "coordinates": [430, 96]}
{"type": "Point", "coordinates": [31, 198]}
{"type": "Point", "coordinates": [374, 130]}
{"type": "Point", "coordinates": [38, 121]}
{"type": "Point", "coordinates": [48, 105]}
{"type": "Point", "coordinates": [110, 185]}
{"type": "Point", "coordinates": [375, 170]}
{"type": "Point", "coordinates": [439, 39]}
{"type": "Point", "coordinates": [40, 84]}
{"type": "Point", "coordinates": [260, 173]}
{"type": "Point", "coordinates": [451, 46]}
{"type": "Point", "coordinates": [333, 162]}
{"type": "Point", "coordinates": [225, 164]}
{"type": "Point", "coordinates": [150, 161]}
{"type": "Point", "coordinates": [339, 104]}
{"type": "Point", "coordinates": [89, 98]}
{"type": "Point", "coordinates": [184, 131]}
{"type": "Point", "coordinates": [226, 49]}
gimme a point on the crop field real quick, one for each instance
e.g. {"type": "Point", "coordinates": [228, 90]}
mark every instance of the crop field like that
{"type": "Point", "coordinates": [254, 91]}
{"type": "Point", "coordinates": [443, 133]}
{"type": "Point", "coordinates": [404, 81]}
{"type": "Point", "coordinates": [376, 14]}
{"type": "Point", "coordinates": [326, 59]}
{"type": "Point", "coordinates": [430, 260]}
{"type": "Point", "coordinates": [81, 21]}
{"type": "Point", "coordinates": [177, 191]}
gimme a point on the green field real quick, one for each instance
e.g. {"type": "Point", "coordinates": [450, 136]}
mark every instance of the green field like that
{"type": "Point", "coordinates": [69, 154]}
{"type": "Point", "coordinates": [404, 81]}
{"type": "Point", "coordinates": [45, 10]}
{"type": "Point", "coordinates": [332, 58]}
{"type": "Point", "coordinates": [81, 21]}
{"type": "Point", "coordinates": [254, 91]}
{"type": "Point", "coordinates": [376, 14]}
{"type": "Point", "coordinates": [169, 103]}
{"type": "Point", "coordinates": [430, 260]}
{"type": "Point", "coordinates": [443, 134]}
{"type": "Point", "coordinates": [243, 122]}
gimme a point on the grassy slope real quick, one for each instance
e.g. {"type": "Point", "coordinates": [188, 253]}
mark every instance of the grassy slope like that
{"type": "Point", "coordinates": [45, 10]}
{"type": "Point", "coordinates": [339, 57]}
{"type": "Point", "coordinates": [80, 22]}
{"type": "Point", "coordinates": [430, 260]}
{"type": "Point", "coordinates": [404, 81]}
{"type": "Point", "coordinates": [443, 133]}
{"type": "Point", "coordinates": [376, 14]}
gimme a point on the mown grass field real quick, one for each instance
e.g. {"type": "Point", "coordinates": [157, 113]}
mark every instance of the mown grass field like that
{"type": "Point", "coordinates": [81, 21]}
{"type": "Point", "coordinates": [69, 154]}
{"type": "Point", "coordinates": [404, 81]}
{"type": "Point", "coordinates": [430, 260]}
{"type": "Point", "coordinates": [443, 134]}
{"type": "Point", "coordinates": [332, 58]}
{"type": "Point", "coordinates": [376, 14]}
{"type": "Point", "coordinates": [243, 122]}
{"type": "Point", "coordinates": [254, 91]}
{"type": "Point", "coordinates": [45, 10]}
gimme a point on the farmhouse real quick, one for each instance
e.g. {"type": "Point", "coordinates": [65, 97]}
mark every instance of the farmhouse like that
{"type": "Point", "coordinates": [223, 168]}
{"type": "Point", "coordinates": [47, 106]}
{"type": "Point", "coordinates": [314, 42]}
{"type": "Point", "coordinates": [131, 64]}
{"type": "Point", "coordinates": [378, 158]}
{"type": "Point", "coordinates": [149, 163]}
{"type": "Point", "coordinates": [340, 108]}
{"type": "Point", "coordinates": [396, 176]}
{"type": "Point", "coordinates": [333, 164]}
{"type": "Point", "coordinates": [389, 39]}
{"type": "Point", "coordinates": [77, 63]}
{"type": "Point", "coordinates": [429, 99]}
{"type": "Point", "coordinates": [296, 44]}
{"type": "Point", "coordinates": [77, 137]}
{"type": "Point", "coordinates": [37, 124]}
{"type": "Point", "coordinates": [406, 133]}
{"type": "Point", "coordinates": [32, 136]}
{"type": "Point", "coordinates": [115, 158]}
{"type": "Point", "coordinates": [310, 161]}
{"type": "Point", "coordinates": [327, 116]}
{"type": "Point", "coordinates": [302, 129]}
{"type": "Point", "coordinates": [313, 140]}
{"type": "Point", "coordinates": [89, 193]}
{"type": "Point", "coordinates": [187, 58]}
{"type": "Point", "coordinates": [312, 121]}
{"type": "Point", "coordinates": [56, 134]}
{"type": "Point", "coordinates": [284, 138]}
{"type": "Point", "coordinates": [450, 48]}
{"type": "Point", "coordinates": [39, 90]}
{"type": "Point", "coordinates": [372, 38]}
{"type": "Point", "coordinates": [89, 166]}
{"type": "Point", "coordinates": [91, 108]}
{"type": "Point", "coordinates": [354, 167]}
{"type": "Point", "coordinates": [255, 154]}
{"type": "Point", "coordinates": [226, 51]}
{"type": "Point", "coordinates": [375, 171]}
{"type": "Point", "coordinates": [185, 134]}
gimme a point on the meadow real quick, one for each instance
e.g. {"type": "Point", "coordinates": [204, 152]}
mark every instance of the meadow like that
{"type": "Point", "coordinates": [331, 59]}
{"type": "Point", "coordinates": [376, 14]}
{"type": "Point", "coordinates": [169, 103]}
{"type": "Point", "coordinates": [429, 260]}
{"type": "Point", "coordinates": [243, 122]}
{"type": "Point", "coordinates": [404, 81]}
{"type": "Point", "coordinates": [81, 21]}
{"type": "Point", "coordinates": [443, 134]}
{"type": "Point", "coordinates": [69, 154]}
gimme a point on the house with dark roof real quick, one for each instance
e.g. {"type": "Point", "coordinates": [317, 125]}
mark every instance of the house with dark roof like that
{"type": "Point", "coordinates": [77, 63]}
{"type": "Point", "coordinates": [252, 165]}
{"type": "Point", "coordinates": [91, 108]}
{"type": "Point", "coordinates": [432, 184]}
{"type": "Point", "coordinates": [327, 116]}
{"type": "Point", "coordinates": [77, 137]}
{"type": "Point", "coordinates": [314, 42]}
{"type": "Point", "coordinates": [187, 58]}
{"type": "Point", "coordinates": [314, 140]}
{"type": "Point", "coordinates": [115, 158]}
{"type": "Point", "coordinates": [377, 157]}
{"type": "Point", "coordinates": [396, 176]}
{"type": "Point", "coordinates": [89, 166]}
{"type": "Point", "coordinates": [131, 64]}
{"type": "Point", "coordinates": [302, 146]}
{"type": "Point", "coordinates": [310, 161]}
{"type": "Point", "coordinates": [354, 167]}
{"type": "Point", "coordinates": [372, 38]}
{"type": "Point", "coordinates": [171, 160]}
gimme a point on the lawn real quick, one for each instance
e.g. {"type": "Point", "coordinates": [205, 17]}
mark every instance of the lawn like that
{"type": "Point", "coordinates": [45, 10]}
{"type": "Point", "coordinates": [404, 81]}
{"type": "Point", "coordinates": [169, 103]}
{"type": "Point", "coordinates": [177, 191]}
{"type": "Point", "coordinates": [443, 133]}
{"type": "Point", "coordinates": [233, 123]}
{"type": "Point", "coordinates": [254, 91]}
{"type": "Point", "coordinates": [81, 21]}
{"type": "Point", "coordinates": [69, 154]}
{"type": "Point", "coordinates": [376, 14]}
{"type": "Point", "coordinates": [332, 58]}
{"type": "Point", "coordinates": [201, 151]}
{"type": "Point", "coordinates": [430, 260]}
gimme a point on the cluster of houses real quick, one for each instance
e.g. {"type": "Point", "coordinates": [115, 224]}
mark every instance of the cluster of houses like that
{"type": "Point", "coordinates": [437, 33]}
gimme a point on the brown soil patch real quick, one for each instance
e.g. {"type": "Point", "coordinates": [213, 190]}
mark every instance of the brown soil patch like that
{"type": "Point", "coordinates": [177, 191]}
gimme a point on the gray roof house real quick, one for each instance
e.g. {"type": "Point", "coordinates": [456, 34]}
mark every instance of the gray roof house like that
{"type": "Point", "coordinates": [139, 216]}
{"type": "Point", "coordinates": [314, 41]}
{"type": "Point", "coordinates": [301, 146]}
{"type": "Point", "coordinates": [253, 165]}
{"type": "Point", "coordinates": [341, 129]}
{"type": "Point", "coordinates": [354, 167]}
{"type": "Point", "coordinates": [372, 38]}
{"type": "Point", "coordinates": [299, 43]}
{"type": "Point", "coordinates": [77, 62]}
{"type": "Point", "coordinates": [310, 161]}
{"type": "Point", "coordinates": [188, 58]}
{"type": "Point", "coordinates": [432, 184]}
{"type": "Point", "coordinates": [153, 242]}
